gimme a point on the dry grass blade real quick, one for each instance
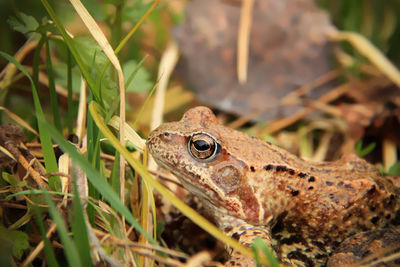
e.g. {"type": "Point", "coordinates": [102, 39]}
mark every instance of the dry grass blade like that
{"type": "Point", "coordinates": [366, 48]}
{"type": "Point", "coordinates": [167, 65]}
{"type": "Point", "coordinates": [9, 71]}
{"type": "Point", "coordinates": [389, 151]}
{"type": "Point", "coordinates": [19, 120]}
{"type": "Point", "coordinates": [82, 112]}
{"type": "Point", "coordinates": [244, 39]}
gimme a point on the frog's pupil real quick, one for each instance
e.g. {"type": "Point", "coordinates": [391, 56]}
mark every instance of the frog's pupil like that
{"type": "Point", "coordinates": [201, 145]}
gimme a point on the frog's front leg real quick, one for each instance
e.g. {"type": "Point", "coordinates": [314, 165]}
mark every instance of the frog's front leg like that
{"type": "Point", "coordinates": [246, 234]}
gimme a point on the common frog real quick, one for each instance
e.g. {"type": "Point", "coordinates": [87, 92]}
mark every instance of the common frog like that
{"type": "Point", "coordinates": [303, 210]}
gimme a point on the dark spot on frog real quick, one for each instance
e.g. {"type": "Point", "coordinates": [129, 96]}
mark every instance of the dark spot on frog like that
{"type": "Point", "coordinates": [229, 228]}
{"type": "Point", "coordinates": [318, 244]}
{"type": "Point", "coordinates": [301, 257]}
{"type": "Point", "coordinates": [311, 179]}
{"type": "Point", "coordinates": [388, 216]}
{"type": "Point", "coordinates": [302, 174]}
{"type": "Point", "coordinates": [371, 190]}
{"type": "Point", "coordinates": [340, 183]}
{"type": "Point", "coordinates": [252, 168]}
{"type": "Point", "coordinates": [279, 226]}
{"type": "Point", "coordinates": [375, 219]}
{"type": "Point", "coordinates": [280, 168]}
{"type": "Point", "coordinates": [331, 196]}
{"type": "Point", "coordinates": [291, 172]}
{"type": "Point", "coordinates": [236, 236]}
{"type": "Point", "coordinates": [372, 208]}
{"type": "Point", "coordinates": [293, 239]}
{"type": "Point", "coordinates": [311, 188]}
{"type": "Point", "coordinates": [269, 143]}
{"type": "Point", "coordinates": [348, 186]}
{"type": "Point", "coordinates": [329, 183]}
{"type": "Point", "coordinates": [388, 202]}
{"type": "Point", "coordinates": [268, 167]}
{"type": "Point", "coordinates": [295, 192]}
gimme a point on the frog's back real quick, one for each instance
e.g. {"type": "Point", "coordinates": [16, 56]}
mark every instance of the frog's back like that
{"type": "Point", "coordinates": [326, 203]}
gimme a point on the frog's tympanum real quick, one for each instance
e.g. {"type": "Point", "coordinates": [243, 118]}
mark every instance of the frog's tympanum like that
{"type": "Point", "coordinates": [302, 210]}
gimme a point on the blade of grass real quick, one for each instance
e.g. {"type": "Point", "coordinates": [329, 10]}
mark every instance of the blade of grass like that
{"type": "Point", "coordinates": [35, 63]}
{"type": "Point", "coordinates": [52, 89]}
{"type": "Point", "coordinates": [70, 111]}
{"type": "Point", "coordinates": [47, 146]}
{"type": "Point", "coordinates": [114, 177]}
{"type": "Point", "coordinates": [259, 245]}
{"type": "Point", "coordinates": [70, 250]}
{"type": "Point", "coordinates": [95, 178]}
{"type": "Point", "coordinates": [93, 157]}
{"type": "Point", "coordinates": [79, 229]}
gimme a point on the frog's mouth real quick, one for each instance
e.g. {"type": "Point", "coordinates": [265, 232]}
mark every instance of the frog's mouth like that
{"type": "Point", "coordinates": [192, 185]}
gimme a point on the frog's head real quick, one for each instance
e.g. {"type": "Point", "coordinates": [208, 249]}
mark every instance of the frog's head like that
{"type": "Point", "coordinates": [210, 161]}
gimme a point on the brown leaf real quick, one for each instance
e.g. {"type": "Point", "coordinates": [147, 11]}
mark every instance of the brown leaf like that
{"type": "Point", "coordinates": [288, 48]}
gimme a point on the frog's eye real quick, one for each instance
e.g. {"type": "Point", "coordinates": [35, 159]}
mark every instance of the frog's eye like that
{"type": "Point", "coordinates": [202, 146]}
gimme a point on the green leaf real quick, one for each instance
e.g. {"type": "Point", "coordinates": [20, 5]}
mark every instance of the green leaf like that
{"type": "Point", "coordinates": [52, 89]}
{"type": "Point", "coordinates": [14, 242]}
{"type": "Point", "coordinates": [88, 49]}
{"type": "Point", "coordinates": [137, 79]}
{"type": "Point", "coordinates": [362, 152]}
{"type": "Point", "coordinates": [395, 169]}
{"type": "Point", "coordinates": [25, 25]}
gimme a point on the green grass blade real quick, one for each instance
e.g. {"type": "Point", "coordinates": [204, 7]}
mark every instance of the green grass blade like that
{"type": "Point", "coordinates": [48, 249]}
{"type": "Point", "coordinates": [92, 85]}
{"type": "Point", "coordinates": [36, 60]}
{"type": "Point", "coordinates": [114, 177]}
{"type": "Point", "coordinates": [79, 230]}
{"type": "Point", "coordinates": [52, 89]}
{"type": "Point", "coordinates": [71, 108]}
{"type": "Point", "coordinates": [259, 245]}
{"type": "Point", "coordinates": [47, 146]}
{"type": "Point", "coordinates": [93, 156]}
{"type": "Point", "coordinates": [70, 250]}
{"type": "Point", "coordinates": [97, 180]}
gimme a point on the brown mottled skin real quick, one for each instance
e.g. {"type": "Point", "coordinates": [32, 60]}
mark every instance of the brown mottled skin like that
{"type": "Point", "coordinates": [303, 210]}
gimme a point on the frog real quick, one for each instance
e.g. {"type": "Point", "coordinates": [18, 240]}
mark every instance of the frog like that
{"type": "Point", "coordinates": [252, 189]}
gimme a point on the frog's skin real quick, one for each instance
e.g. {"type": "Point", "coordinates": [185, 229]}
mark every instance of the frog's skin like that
{"type": "Point", "coordinates": [303, 210]}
